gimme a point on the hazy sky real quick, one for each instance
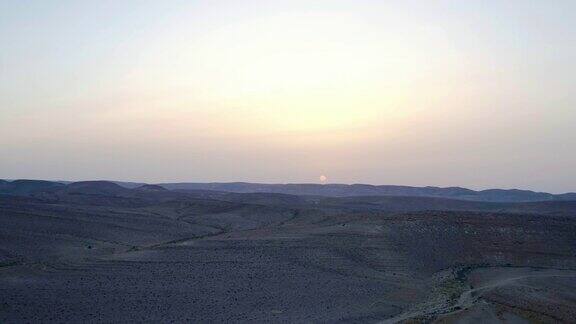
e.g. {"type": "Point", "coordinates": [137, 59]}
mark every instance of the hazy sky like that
{"type": "Point", "coordinates": [470, 93]}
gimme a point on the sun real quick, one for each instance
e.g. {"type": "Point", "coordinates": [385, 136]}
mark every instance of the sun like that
{"type": "Point", "coordinates": [323, 179]}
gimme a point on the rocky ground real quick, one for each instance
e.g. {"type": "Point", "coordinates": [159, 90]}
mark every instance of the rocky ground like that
{"type": "Point", "coordinates": [97, 252]}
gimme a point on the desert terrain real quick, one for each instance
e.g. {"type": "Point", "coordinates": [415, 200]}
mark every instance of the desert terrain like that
{"type": "Point", "coordinates": [97, 251]}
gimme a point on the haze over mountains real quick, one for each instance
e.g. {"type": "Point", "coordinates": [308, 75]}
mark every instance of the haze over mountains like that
{"type": "Point", "coordinates": [389, 198]}
{"type": "Point", "coordinates": [329, 190]}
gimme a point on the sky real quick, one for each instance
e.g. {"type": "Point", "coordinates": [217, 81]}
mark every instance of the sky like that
{"type": "Point", "coordinates": [478, 94]}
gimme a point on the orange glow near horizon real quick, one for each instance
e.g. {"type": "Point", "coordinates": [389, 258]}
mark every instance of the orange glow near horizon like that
{"type": "Point", "coordinates": [406, 92]}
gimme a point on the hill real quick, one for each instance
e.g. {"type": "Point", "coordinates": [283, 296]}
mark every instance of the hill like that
{"type": "Point", "coordinates": [28, 187]}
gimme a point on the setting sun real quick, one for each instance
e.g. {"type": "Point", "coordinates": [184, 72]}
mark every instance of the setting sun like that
{"type": "Point", "coordinates": [364, 90]}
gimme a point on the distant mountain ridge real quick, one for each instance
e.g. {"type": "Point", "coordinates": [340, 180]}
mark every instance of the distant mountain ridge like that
{"type": "Point", "coordinates": [344, 190]}
{"type": "Point", "coordinates": [305, 189]}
